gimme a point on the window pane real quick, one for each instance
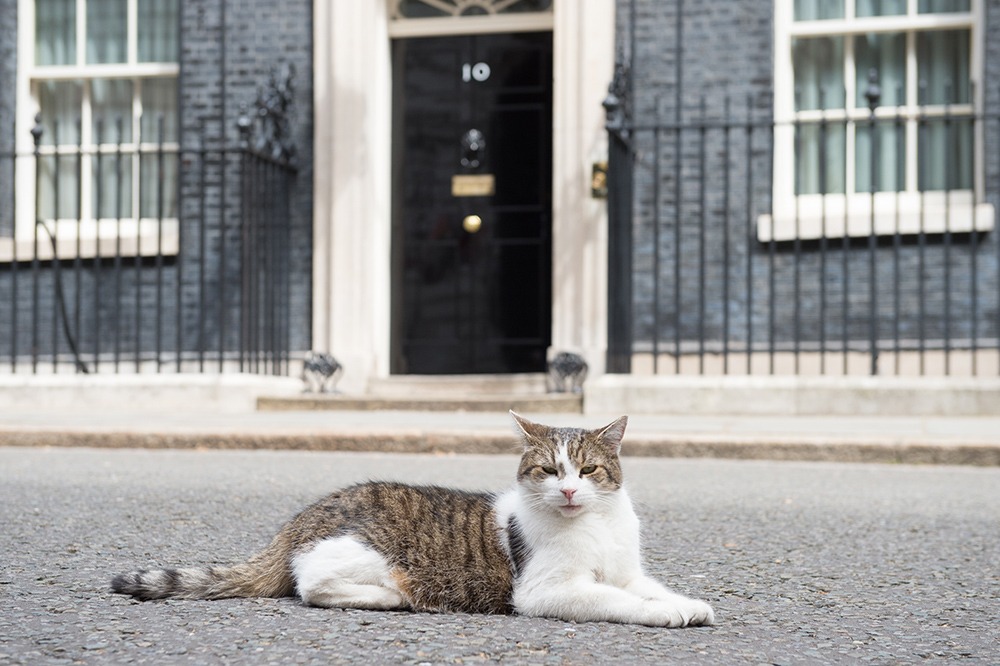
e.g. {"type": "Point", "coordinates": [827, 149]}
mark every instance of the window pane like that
{"type": "Point", "coordinates": [820, 164]}
{"type": "Point", "coordinates": [945, 154]}
{"type": "Point", "coordinates": [157, 30]}
{"type": "Point", "coordinates": [886, 54]}
{"type": "Point", "coordinates": [429, 8]}
{"type": "Point", "coordinates": [65, 199]}
{"type": "Point", "coordinates": [107, 31]}
{"type": "Point", "coordinates": [527, 6]}
{"type": "Point", "coordinates": [879, 8]}
{"type": "Point", "coordinates": [59, 103]}
{"type": "Point", "coordinates": [418, 9]}
{"type": "Point", "coordinates": [815, 10]}
{"type": "Point", "coordinates": [111, 99]}
{"type": "Point", "coordinates": [154, 180]}
{"type": "Point", "coordinates": [819, 73]}
{"type": "Point", "coordinates": [112, 188]}
{"type": "Point", "coordinates": [943, 66]}
{"type": "Point", "coordinates": [890, 157]}
{"type": "Point", "coordinates": [159, 100]}
{"type": "Point", "coordinates": [942, 6]}
{"type": "Point", "coordinates": [55, 32]}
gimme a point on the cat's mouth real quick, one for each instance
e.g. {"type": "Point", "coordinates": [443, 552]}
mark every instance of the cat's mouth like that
{"type": "Point", "coordinates": [571, 509]}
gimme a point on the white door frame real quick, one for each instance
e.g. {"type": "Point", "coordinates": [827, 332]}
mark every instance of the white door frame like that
{"type": "Point", "coordinates": [352, 209]}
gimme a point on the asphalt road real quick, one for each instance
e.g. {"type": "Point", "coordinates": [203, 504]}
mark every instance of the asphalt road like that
{"type": "Point", "coordinates": [805, 563]}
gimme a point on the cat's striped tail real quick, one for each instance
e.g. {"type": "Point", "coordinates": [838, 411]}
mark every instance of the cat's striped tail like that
{"type": "Point", "coordinates": [267, 574]}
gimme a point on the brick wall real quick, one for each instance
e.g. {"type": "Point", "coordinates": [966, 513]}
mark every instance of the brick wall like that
{"type": "Point", "coordinates": [727, 54]}
{"type": "Point", "coordinates": [8, 73]}
{"type": "Point", "coordinates": [260, 36]}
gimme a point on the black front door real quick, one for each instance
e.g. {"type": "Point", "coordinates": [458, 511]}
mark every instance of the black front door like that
{"type": "Point", "coordinates": [472, 203]}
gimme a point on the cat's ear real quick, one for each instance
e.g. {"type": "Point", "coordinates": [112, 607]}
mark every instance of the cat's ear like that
{"type": "Point", "coordinates": [529, 430]}
{"type": "Point", "coordinates": [611, 435]}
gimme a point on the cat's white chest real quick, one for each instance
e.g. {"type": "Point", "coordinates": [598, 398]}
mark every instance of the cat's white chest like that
{"type": "Point", "coordinates": [611, 549]}
{"type": "Point", "coordinates": [601, 545]}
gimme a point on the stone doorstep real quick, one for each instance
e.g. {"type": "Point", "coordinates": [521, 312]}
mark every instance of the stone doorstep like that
{"type": "Point", "coordinates": [452, 386]}
{"type": "Point", "coordinates": [542, 404]}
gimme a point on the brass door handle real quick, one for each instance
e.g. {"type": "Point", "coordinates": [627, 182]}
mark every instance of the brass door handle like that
{"type": "Point", "coordinates": [472, 223]}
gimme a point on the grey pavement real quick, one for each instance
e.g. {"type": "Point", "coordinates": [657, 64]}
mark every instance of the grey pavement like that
{"type": "Point", "coordinates": [970, 440]}
{"type": "Point", "coordinates": [804, 562]}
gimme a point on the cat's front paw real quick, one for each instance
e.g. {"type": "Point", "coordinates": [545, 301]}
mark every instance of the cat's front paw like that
{"type": "Point", "coordinates": [680, 612]}
{"type": "Point", "coordinates": [699, 613]}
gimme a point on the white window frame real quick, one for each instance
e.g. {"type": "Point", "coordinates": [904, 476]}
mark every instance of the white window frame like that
{"type": "Point", "coordinates": [813, 216]}
{"type": "Point", "coordinates": [131, 235]}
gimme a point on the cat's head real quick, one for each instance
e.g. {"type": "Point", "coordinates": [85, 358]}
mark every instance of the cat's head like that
{"type": "Point", "coordinates": [569, 470]}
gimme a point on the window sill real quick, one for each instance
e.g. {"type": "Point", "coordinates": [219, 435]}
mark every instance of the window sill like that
{"type": "Point", "coordinates": [146, 241]}
{"type": "Point", "coordinates": [817, 216]}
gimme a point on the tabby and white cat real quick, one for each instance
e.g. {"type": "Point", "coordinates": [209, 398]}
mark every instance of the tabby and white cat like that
{"type": "Point", "coordinates": [563, 543]}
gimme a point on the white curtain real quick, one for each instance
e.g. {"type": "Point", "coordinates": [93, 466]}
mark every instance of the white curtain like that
{"type": "Point", "coordinates": [107, 31]}
{"type": "Point", "coordinates": [819, 73]}
{"type": "Point", "coordinates": [157, 30]}
{"type": "Point", "coordinates": [55, 32]}
{"type": "Point", "coordinates": [111, 101]}
{"type": "Point", "coordinates": [59, 103]}
{"type": "Point", "coordinates": [816, 10]}
{"type": "Point", "coordinates": [880, 7]}
{"type": "Point", "coordinates": [943, 71]}
{"type": "Point", "coordinates": [158, 123]}
{"type": "Point", "coordinates": [886, 54]}
{"type": "Point", "coordinates": [819, 84]}
{"type": "Point", "coordinates": [820, 162]}
{"type": "Point", "coordinates": [890, 157]}
{"type": "Point", "coordinates": [943, 66]}
{"type": "Point", "coordinates": [946, 155]}
{"type": "Point", "coordinates": [149, 185]}
{"type": "Point", "coordinates": [939, 6]}
{"type": "Point", "coordinates": [64, 169]}
{"type": "Point", "coordinates": [159, 100]}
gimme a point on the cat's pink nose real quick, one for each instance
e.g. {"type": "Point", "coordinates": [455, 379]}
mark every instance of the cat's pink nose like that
{"type": "Point", "coordinates": [569, 492]}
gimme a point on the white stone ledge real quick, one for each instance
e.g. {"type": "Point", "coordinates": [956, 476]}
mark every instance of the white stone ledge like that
{"type": "Point", "coordinates": [793, 396]}
{"type": "Point", "coordinates": [159, 394]}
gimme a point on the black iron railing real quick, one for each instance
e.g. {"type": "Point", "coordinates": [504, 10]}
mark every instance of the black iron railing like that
{"type": "Point", "coordinates": [193, 278]}
{"type": "Point", "coordinates": [721, 277]}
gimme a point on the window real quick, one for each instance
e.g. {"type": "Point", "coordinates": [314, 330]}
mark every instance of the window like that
{"type": "Point", "coordinates": [102, 77]}
{"type": "Point", "coordinates": [421, 18]}
{"type": "Point", "coordinates": [916, 166]}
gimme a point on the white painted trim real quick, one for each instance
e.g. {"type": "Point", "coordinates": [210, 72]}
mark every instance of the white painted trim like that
{"type": "Point", "coordinates": [817, 216]}
{"type": "Point", "coordinates": [26, 108]}
{"type": "Point", "coordinates": [148, 240]}
{"type": "Point", "coordinates": [141, 237]}
{"type": "Point", "coordinates": [472, 25]}
{"type": "Point", "coordinates": [111, 71]}
{"type": "Point", "coordinates": [861, 26]}
{"type": "Point", "coordinates": [352, 231]}
{"type": "Point", "coordinates": [583, 51]}
{"type": "Point", "coordinates": [803, 215]}
{"type": "Point", "coordinates": [352, 168]}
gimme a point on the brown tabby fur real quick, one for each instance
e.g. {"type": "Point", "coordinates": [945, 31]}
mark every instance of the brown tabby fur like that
{"type": "Point", "coordinates": [442, 546]}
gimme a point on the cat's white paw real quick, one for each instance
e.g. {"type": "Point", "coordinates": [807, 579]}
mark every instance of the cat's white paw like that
{"type": "Point", "coordinates": [681, 612]}
{"type": "Point", "coordinates": [699, 613]}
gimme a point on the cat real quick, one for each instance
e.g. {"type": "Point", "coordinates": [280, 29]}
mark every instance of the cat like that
{"type": "Point", "coordinates": [563, 543]}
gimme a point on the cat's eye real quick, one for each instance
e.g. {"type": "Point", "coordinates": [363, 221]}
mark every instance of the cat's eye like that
{"type": "Point", "coordinates": [589, 469]}
{"type": "Point", "coordinates": [549, 470]}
